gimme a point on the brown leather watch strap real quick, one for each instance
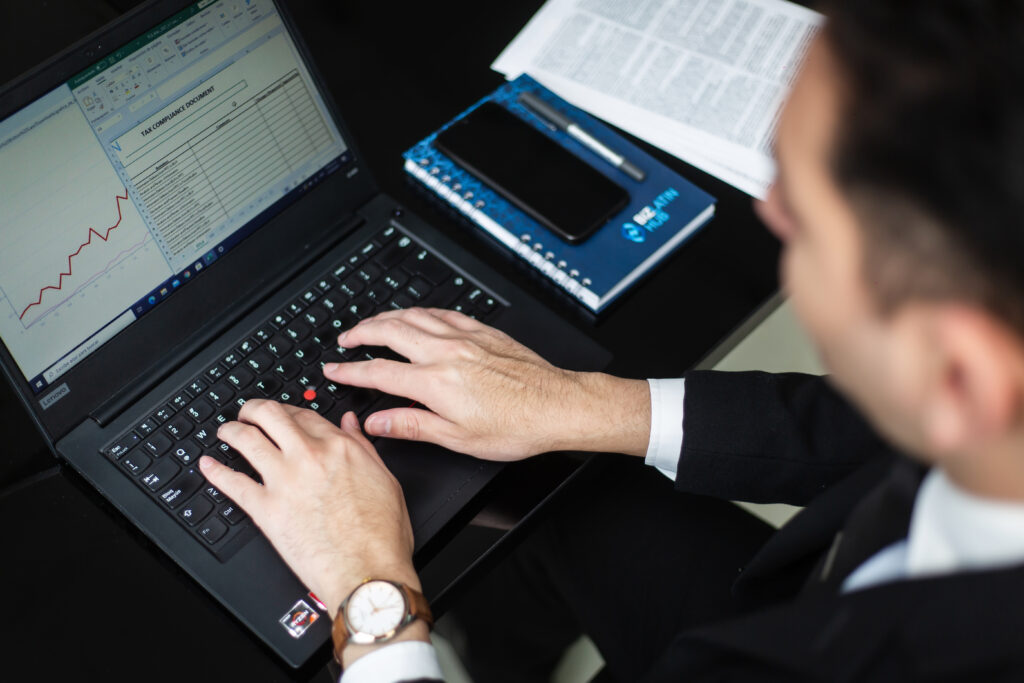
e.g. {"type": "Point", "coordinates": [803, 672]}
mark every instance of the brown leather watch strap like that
{"type": "Point", "coordinates": [418, 605]}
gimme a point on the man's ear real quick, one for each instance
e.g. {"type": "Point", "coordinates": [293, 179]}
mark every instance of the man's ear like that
{"type": "Point", "coordinates": [976, 386]}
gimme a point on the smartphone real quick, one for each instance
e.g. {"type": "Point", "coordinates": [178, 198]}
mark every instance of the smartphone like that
{"type": "Point", "coordinates": [536, 174]}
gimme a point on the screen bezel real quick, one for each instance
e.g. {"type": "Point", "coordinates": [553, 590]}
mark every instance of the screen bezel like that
{"type": "Point", "coordinates": [136, 358]}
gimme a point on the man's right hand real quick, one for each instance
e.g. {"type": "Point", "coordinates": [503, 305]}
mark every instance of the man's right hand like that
{"type": "Point", "coordinates": [487, 394]}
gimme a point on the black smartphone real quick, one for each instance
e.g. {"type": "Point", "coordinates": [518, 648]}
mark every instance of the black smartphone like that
{"type": "Point", "coordinates": [539, 176]}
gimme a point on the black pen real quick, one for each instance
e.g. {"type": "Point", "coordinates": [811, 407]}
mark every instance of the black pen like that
{"type": "Point", "coordinates": [549, 114]}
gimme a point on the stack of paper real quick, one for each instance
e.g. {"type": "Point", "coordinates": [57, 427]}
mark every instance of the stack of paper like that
{"type": "Point", "coordinates": [702, 79]}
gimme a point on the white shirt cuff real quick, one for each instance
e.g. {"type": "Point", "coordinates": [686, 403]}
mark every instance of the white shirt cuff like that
{"type": "Point", "coordinates": [666, 442]}
{"type": "Point", "coordinates": [405, 661]}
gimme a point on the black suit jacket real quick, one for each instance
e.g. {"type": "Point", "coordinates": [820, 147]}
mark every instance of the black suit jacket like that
{"type": "Point", "coordinates": [792, 439]}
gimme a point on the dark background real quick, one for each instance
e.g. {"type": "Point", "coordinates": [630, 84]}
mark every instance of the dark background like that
{"type": "Point", "coordinates": [85, 594]}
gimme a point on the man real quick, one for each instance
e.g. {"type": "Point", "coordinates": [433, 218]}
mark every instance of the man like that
{"type": "Point", "coordinates": [898, 201]}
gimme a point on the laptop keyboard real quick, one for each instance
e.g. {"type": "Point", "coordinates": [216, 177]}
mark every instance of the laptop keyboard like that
{"type": "Point", "coordinates": [282, 359]}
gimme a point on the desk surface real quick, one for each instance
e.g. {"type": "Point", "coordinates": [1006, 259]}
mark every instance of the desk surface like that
{"type": "Point", "coordinates": [78, 579]}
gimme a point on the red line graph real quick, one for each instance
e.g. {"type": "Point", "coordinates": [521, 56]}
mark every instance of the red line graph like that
{"type": "Point", "coordinates": [92, 231]}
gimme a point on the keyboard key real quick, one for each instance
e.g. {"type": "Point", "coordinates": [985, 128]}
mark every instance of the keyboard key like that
{"type": "Point", "coordinates": [321, 404]}
{"type": "Point", "coordinates": [212, 530]}
{"type": "Point", "coordinates": [315, 316]}
{"type": "Point", "coordinates": [280, 320]}
{"type": "Point", "coordinates": [197, 387]}
{"type": "Point", "coordinates": [360, 399]}
{"type": "Point", "coordinates": [402, 301]}
{"type": "Point", "coordinates": [396, 279]}
{"type": "Point", "coordinates": [220, 393]}
{"type": "Point", "coordinates": [418, 289]}
{"type": "Point", "coordinates": [200, 410]}
{"type": "Point", "coordinates": [353, 286]}
{"type": "Point", "coordinates": [428, 266]}
{"type": "Point", "coordinates": [297, 331]}
{"type": "Point", "coordinates": [232, 513]}
{"type": "Point", "coordinates": [341, 272]}
{"type": "Point", "coordinates": [361, 308]}
{"type": "Point", "coordinates": [146, 427]}
{"type": "Point", "coordinates": [325, 337]}
{"type": "Point", "coordinates": [259, 362]}
{"type": "Point", "coordinates": [333, 304]}
{"type": "Point", "coordinates": [395, 253]}
{"type": "Point", "coordinates": [247, 347]}
{"type": "Point", "coordinates": [369, 272]}
{"type": "Point", "coordinates": [324, 285]}
{"type": "Point", "coordinates": [268, 385]}
{"type": "Point", "coordinates": [135, 462]}
{"type": "Point", "coordinates": [296, 307]}
{"type": "Point", "coordinates": [215, 373]}
{"type": "Point", "coordinates": [279, 345]}
{"type": "Point", "coordinates": [187, 452]}
{"type": "Point", "coordinates": [179, 427]}
{"type": "Point", "coordinates": [261, 335]}
{"type": "Point", "coordinates": [122, 446]}
{"type": "Point", "coordinates": [387, 234]}
{"type": "Point", "coordinates": [214, 493]}
{"type": "Point", "coordinates": [206, 436]}
{"type": "Point", "coordinates": [306, 381]}
{"type": "Point", "coordinates": [310, 295]}
{"type": "Point", "coordinates": [379, 294]}
{"type": "Point", "coordinates": [290, 396]}
{"type": "Point", "coordinates": [306, 354]}
{"type": "Point", "coordinates": [232, 359]}
{"type": "Point", "coordinates": [187, 483]}
{"type": "Point", "coordinates": [196, 510]}
{"type": "Point", "coordinates": [240, 378]}
{"type": "Point", "coordinates": [157, 444]}
{"type": "Point", "coordinates": [159, 474]}
{"type": "Point", "coordinates": [227, 452]}
{"type": "Point", "coordinates": [181, 400]}
{"type": "Point", "coordinates": [286, 369]}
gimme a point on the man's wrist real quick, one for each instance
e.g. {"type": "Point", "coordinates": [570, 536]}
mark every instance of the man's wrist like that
{"type": "Point", "coordinates": [344, 584]}
{"type": "Point", "coordinates": [611, 415]}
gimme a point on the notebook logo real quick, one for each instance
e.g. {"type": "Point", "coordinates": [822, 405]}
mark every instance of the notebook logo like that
{"type": "Point", "coordinates": [649, 218]}
{"type": "Point", "coordinates": [57, 394]}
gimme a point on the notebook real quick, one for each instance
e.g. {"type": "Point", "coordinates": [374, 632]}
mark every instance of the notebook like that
{"type": "Point", "coordinates": [185, 225]}
{"type": "Point", "coordinates": [663, 211]}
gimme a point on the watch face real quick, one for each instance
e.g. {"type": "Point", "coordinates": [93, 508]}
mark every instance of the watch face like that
{"type": "Point", "coordinates": [376, 608]}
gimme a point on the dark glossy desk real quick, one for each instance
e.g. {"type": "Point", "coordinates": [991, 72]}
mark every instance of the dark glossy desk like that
{"type": "Point", "coordinates": [87, 595]}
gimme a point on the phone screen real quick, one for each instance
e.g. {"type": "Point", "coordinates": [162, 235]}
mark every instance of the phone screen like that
{"type": "Point", "coordinates": [535, 173]}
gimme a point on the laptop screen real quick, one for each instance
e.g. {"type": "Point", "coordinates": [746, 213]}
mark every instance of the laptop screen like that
{"type": "Point", "coordinates": [125, 183]}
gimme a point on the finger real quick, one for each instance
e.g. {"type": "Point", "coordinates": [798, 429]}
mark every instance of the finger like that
{"type": "Point", "coordinates": [275, 421]}
{"type": "Point", "coordinates": [389, 376]}
{"type": "Point", "coordinates": [251, 443]}
{"type": "Point", "coordinates": [310, 421]}
{"type": "Point", "coordinates": [413, 424]}
{"type": "Point", "coordinates": [401, 335]}
{"type": "Point", "coordinates": [350, 425]}
{"type": "Point", "coordinates": [235, 485]}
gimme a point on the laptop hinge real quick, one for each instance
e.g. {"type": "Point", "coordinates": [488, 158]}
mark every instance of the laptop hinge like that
{"type": "Point", "coordinates": [108, 411]}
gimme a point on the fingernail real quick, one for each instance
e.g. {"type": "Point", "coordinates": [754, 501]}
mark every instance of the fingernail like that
{"type": "Point", "coordinates": [330, 367]}
{"type": "Point", "coordinates": [378, 425]}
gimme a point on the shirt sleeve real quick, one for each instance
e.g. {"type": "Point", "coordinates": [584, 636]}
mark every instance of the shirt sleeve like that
{"type": "Point", "coordinates": [666, 441]}
{"type": "Point", "coordinates": [411, 660]}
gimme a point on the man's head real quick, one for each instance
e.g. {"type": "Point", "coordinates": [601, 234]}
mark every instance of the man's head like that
{"type": "Point", "coordinates": [900, 201]}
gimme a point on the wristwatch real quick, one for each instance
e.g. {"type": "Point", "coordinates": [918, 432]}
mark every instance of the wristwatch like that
{"type": "Point", "coordinates": [375, 612]}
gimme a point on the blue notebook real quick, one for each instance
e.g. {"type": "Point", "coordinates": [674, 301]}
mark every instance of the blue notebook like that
{"type": "Point", "coordinates": [664, 209]}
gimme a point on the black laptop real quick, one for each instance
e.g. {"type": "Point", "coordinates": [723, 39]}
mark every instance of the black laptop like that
{"type": "Point", "coordinates": [185, 225]}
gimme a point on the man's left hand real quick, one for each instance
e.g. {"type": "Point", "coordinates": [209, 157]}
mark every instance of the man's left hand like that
{"type": "Point", "coordinates": [328, 504]}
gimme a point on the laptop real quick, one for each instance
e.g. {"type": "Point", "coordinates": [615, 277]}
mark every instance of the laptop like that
{"type": "Point", "coordinates": [185, 225]}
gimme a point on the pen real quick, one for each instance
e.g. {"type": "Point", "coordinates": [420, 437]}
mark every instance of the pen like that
{"type": "Point", "coordinates": [549, 114]}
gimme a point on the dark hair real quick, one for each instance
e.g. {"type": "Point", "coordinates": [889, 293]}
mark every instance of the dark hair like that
{"type": "Point", "coordinates": [930, 147]}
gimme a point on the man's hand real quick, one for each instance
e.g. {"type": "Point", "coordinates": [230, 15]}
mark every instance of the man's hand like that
{"type": "Point", "coordinates": [328, 504]}
{"type": "Point", "coordinates": [488, 395]}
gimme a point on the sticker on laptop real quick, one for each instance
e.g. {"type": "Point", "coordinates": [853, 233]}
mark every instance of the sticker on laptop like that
{"type": "Point", "coordinates": [299, 618]}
